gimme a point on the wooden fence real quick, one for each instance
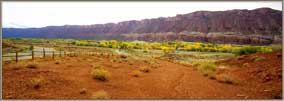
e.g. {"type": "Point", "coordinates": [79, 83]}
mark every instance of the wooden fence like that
{"type": "Point", "coordinates": [44, 54]}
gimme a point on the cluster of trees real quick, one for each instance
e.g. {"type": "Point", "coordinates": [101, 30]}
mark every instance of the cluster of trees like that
{"type": "Point", "coordinates": [245, 50]}
{"type": "Point", "coordinates": [177, 45]}
{"type": "Point", "coordinates": [165, 46]}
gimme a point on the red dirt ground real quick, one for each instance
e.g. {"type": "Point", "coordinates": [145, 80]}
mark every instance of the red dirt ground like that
{"type": "Point", "coordinates": [264, 74]}
{"type": "Point", "coordinates": [169, 81]}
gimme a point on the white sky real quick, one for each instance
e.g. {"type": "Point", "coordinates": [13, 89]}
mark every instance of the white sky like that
{"type": "Point", "coordinates": [41, 14]}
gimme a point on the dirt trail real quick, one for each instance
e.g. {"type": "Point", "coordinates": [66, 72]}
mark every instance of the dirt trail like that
{"type": "Point", "coordinates": [168, 81]}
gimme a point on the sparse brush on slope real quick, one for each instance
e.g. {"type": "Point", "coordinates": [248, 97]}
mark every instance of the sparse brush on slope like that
{"type": "Point", "coordinates": [37, 81]}
{"type": "Point", "coordinates": [136, 73]}
{"type": "Point", "coordinates": [207, 68]}
{"type": "Point", "coordinates": [100, 95]}
{"type": "Point", "coordinates": [144, 69]}
{"type": "Point", "coordinates": [100, 74]}
{"type": "Point", "coordinates": [225, 78]}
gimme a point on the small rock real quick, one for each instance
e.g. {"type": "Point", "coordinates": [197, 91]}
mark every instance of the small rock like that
{"type": "Point", "coordinates": [266, 90]}
{"type": "Point", "coordinates": [241, 95]}
{"type": "Point", "coordinates": [255, 59]}
{"type": "Point", "coordinates": [83, 91]}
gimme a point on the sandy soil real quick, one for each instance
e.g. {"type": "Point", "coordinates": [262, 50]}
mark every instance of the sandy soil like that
{"type": "Point", "coordinates": [169, 81]}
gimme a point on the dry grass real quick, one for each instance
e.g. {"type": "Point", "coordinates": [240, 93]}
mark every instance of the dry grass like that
{"type": "Point", "coordinates": [144, 69]}
{"type": "Point", "coordinates": [123, 56]}
{"type": "Point", "coordinates": [155, 66]}
{"type": "Point", "coordinates": [112, 60]}
{"type": "Point", "coordinates": [207, 68]}
{"type": "Point", "coordinates": [196, 63]}
{"type": "Point", "coordinates": [211, 75]}
{"type": "Point", "coordinates": [136, 73]}
{"type": "Point", "coordinates": [154, 63]}
{"type": "Point", "coordinates": [225, 78]}
{"type": "Point", "coordinates": [57, 62]}
{"type": "Point", "coordinates": [100, 74]}
{"type": "Point", "coordinates": [89, 60]}
{"type": "Point", "coordinates": [37, 81]}
{"type": "Point", "coordinates": [100, 95]}
{"type": "Point", "coordinates": [184, 63]}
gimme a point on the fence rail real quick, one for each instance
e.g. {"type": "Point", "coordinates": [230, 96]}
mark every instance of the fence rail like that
{"type": "Point", "coordinates": [17, 55]}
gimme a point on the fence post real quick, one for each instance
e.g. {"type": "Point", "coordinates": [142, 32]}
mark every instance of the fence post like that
{"type": "Point", "coordinates": [43, 52]}
{"type": "Point", "coordinates": [52, 54]}
{"type": "Point", "coordinates": [33, 55]}
{"type": "Point", "coordinates": [16, 56]}
{"type": "Point", "coordinates": [60, 52]}
{"type": "Point", "coordinates": [64, 54]}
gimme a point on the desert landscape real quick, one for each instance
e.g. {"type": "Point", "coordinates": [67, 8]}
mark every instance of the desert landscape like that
{"type": "Point", "coordinates": [199, 55]}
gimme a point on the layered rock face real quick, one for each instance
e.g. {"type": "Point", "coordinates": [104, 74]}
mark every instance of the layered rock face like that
{"type": "Point", "coordinates": [258, 26]}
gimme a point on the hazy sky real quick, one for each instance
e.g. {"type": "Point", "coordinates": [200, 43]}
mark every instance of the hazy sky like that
{"type": "Point", "coordinates": [41, 14]}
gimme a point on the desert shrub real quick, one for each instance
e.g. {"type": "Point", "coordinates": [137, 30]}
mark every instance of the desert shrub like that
{"type": "Point", "coordinates": [184, 63]}
{"type": "Point", "coordinates": [211, 75]}
{"type": "Point", "coordinates": [155, 66]}
{"type": "Point", "coordinates": [136, 73]}
{"type": "Point", "coordinates": [144, 69]}
{"type": "Point", "coordinates": [207, 68]}
{"type": "Point", "coordinates": [37, 82]}
{"type": "Point", "coordinates": [100, 74]}
{"type": "Point", "coordinates": [196, 63]}
{"type": "Point", "coordinates": [245, 50]}
{"type": "Point", "coordinates": [100, 95]}
{"type": "Point", "coordinates": [153, 63]}
{"type": "Point", "coordinates": [123, 56]}
{"type": "Point", "coordinates": [226, 79]}
{"type": "Point", "coordinates": [275, 46]}
{"type": "Point", "coordinates": [89, 60]}
{"type": "Point", "coordinates": [33, 66]}
{"type": "Point", "coordinates": [57, 62]}
{"type": "Point", "coordinates": [7, 62]}
{"type": "Point", "coordinates": [112, 60]}
{"type": "Point", "coordinates": [223, 66]}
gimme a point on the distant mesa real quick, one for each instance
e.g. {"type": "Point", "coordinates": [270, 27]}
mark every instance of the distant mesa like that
{"type": "Point", "coordinates": [258, 26]}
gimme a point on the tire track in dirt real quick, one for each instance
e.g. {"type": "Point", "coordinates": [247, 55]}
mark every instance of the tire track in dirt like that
{"type": "Point", "coordinates": [178, 83]}
{"type": "Point", "coordinates": [189, 83]}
